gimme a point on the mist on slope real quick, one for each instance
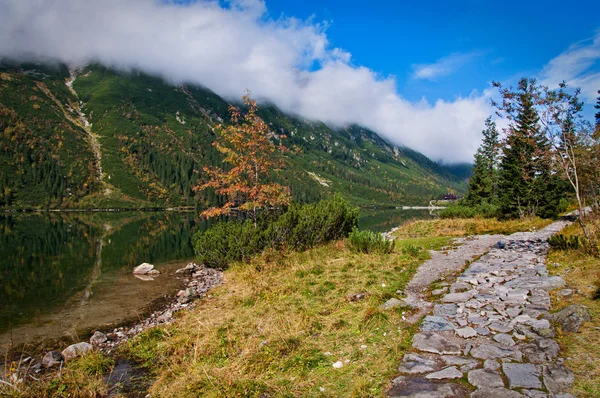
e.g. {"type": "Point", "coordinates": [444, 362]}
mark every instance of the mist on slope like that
{"type": "Point", "coordinates": [231, 47]}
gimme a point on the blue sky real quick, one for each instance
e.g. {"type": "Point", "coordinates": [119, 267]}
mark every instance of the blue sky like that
{"type": "Point", "coordinates": [499, 40]}
{"type": "Point", "coordinates": [416, 73]}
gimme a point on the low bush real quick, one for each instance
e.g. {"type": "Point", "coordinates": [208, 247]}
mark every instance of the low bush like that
{"type": "Point", "coordinates": [369, 242]}
{"type": "Point", "coordinates": [564, 242]}
{"type": "Point", "coordinates": [299, 228]}
{"type": "Point", "coordinates": [485, 210]}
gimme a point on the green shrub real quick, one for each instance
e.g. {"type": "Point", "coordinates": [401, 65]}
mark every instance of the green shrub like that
{"type": "Point", "coordinates": [370, 242]}
{"type": "Point", "coordinates": [563, 242]}
{"type": "Point", "coordinates": [411, 250]}
{"type": "Point", "coordinates": [299, 228]}
{"type": "Point", "coordinates": [485, 210]}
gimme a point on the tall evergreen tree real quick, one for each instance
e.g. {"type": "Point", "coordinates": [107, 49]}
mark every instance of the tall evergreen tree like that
{"type": "Point", "coordinates": [527, 184]}
{"type": "Point", "coordinates": [597, 106]}
{"type": "Point", "coordinates": [483, 185]}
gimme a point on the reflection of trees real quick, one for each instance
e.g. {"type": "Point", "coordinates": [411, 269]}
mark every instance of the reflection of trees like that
{"type": "Point", "coordinates": [43, 259]}
{"type": "Point", "coordinates": [46, 259]}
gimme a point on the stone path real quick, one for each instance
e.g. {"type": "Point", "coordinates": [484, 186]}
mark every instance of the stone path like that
{"type": "Point", "coordinates": [487, 338]}
{"type": "Point", "coordinates": [442, 264]}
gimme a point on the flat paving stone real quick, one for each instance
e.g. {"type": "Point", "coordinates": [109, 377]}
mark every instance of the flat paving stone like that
{"type": "Point", "coordinates": [466, 332]}
{"type": "Point", "coordinates": [495, 393]}
{"type": "Point", "coordinates": [435, 343]}
{"type": "Point", "coordinates": [504, 339]}
{"type": "Point", "coordinates": [420, 387]}
{"type": "Point", "coordinates": [434, 323]}
{"type": "Point", "coordinates": [483, 378]}
{"type": "Point", "coordinates": [449, 373]}
{"type": "Point", "coordinates": [490, 351]}
{"type": "Point", "coordinates": [523, 375]}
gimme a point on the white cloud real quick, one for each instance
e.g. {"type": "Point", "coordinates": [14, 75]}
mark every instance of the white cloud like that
{"type": "Point", "coordinates": [443, 66]}
{"type": "Point", "coordinates": [579, 66]}
{"type": "Point", "coordinates": [229, 49]}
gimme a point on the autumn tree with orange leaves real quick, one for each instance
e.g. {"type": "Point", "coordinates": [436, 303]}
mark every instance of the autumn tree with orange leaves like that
{"type": "Point", "coordinates": [248, 147]}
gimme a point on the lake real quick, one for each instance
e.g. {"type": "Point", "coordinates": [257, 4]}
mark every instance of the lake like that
{"type": "Point", "coordinates": [66, 274]}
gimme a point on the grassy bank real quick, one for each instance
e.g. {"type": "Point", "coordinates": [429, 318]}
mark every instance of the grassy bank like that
{"type": "Point", "coordinates": [581, 350]}
{"type": "Point", "coordinates": [456, 227]}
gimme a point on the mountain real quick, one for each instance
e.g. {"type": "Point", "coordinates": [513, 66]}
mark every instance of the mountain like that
{"type": "Point", "coordinates": [97, 137]}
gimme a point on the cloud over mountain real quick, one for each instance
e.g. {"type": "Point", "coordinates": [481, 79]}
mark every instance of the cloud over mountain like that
{"type": "Point", "coordinates": [231, 47]}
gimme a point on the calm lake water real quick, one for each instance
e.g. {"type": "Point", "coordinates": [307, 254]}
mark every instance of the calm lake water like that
{"type": "Point", "coordinates": [63, 275]}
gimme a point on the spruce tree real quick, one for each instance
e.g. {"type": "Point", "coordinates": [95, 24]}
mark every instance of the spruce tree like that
{"type": "Point", "coordinates": [527, 185]}
{"type": "Point", "coordinates": [597, 106]}
{"type": "Point", "coordinates": [483, 184]}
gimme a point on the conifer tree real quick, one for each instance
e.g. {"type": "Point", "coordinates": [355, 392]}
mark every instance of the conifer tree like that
{"type": "Point", "coordinates": [483, 185]}
{"type": "Point", "coordinates": [527, 185]}
{"type": "Point", "coordinates": [597, 106]}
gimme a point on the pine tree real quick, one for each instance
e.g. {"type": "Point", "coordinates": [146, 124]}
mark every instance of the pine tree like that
{"type": "Point", "coordinates": [483, 185]}
{"type": "Point", "coordinates": [597, 106]}
{"type": "Point", "coordinates": [527, 184]}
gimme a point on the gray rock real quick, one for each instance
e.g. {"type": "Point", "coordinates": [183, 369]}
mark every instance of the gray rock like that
{"type": "Point", "coordinates": [356, 296]}
{"type": "Point", "coordinates": [571, 317]}
{"type": "Point", "coordinates": [483, 331]}
{"type": "Point", "coordinates": [433, 323]}
{"type": "Point", "coordinates": [435, 343]}
{"type": "Point", "coordinates": [541, 350]}
{"type": "Point", "coordinates": [566, 292]}
{"type": "Point", "coordinates": [495, 393]}
{"type": "Point", "coordinates": [535, 393]}
{"type": "Point", "coordinates": [98, 338]}
{"type": "Point", "coordinates": [75, 350]}
{"type": "Point", "coordinates": [491, 364]}
{"type": "Point", "coordinates": [504, 339]}
{"type": "Point", "coordinates": [52, 358]}
{"type": "Point", "coordinates": [557, 378]}
{"type": "Point", "coordinates": [543, 328]}
{"type": "Point", "coordinates": [145, 269]}
{"type": "Point", "coordinates": [500, 327]}
{"type": "Point", "coordinates": [420, 387]}
{"type": "Point", "coordinates": [513, 311]}
{"type": "Point", "coordinates": [460, 287]}
{"type": "Point", "coordinates": [458, 297]}
{"type": "Point", "coordinates": [445, 309]}
{"type": "Point", "coordinates": [459, 361]}
{"type": "Point", "coordinates": [448, 373]}
{"type": "Point", "coordinates": [187, 270]}
{"type": "Point", "coordinates": [483, 378]}
{"type": "Point", "coordinates": [489, 351]}
{"type": "Point", "coordinates": [523, 375]}
{"type": "Point", "coordinates": [414, 364]}
{"type": "Point", "coordinates": [392, 303]}
{"type": "Point", "coordinates": [466, 332]}
{"type": "Point", "coordinates": [437, 292]}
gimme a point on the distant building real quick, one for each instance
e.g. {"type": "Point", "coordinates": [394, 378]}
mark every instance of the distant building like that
{"type": "Point", "coordinates": [449, 196]}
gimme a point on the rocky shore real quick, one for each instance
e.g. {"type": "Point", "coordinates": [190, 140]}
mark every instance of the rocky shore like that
{"type": "Point", "coordinates": [198, 281]}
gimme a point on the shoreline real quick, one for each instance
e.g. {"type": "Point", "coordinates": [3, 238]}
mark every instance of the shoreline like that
{"type": "Point", "coordinates": [197, 281]}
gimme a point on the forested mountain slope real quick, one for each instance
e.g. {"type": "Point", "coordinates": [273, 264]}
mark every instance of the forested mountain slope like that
{"type": "Point", "coordinates": [97, 137]}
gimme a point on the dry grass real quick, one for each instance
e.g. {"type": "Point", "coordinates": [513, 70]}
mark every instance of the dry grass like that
{"type": "Point", "coordinates": [82, 377]}
{"type": "Point", "coordinates": [582, 349]}
{"type": "Point", "coordinates": [279, 324]}
{"type": "Point", "coordinates": [468, 226]}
